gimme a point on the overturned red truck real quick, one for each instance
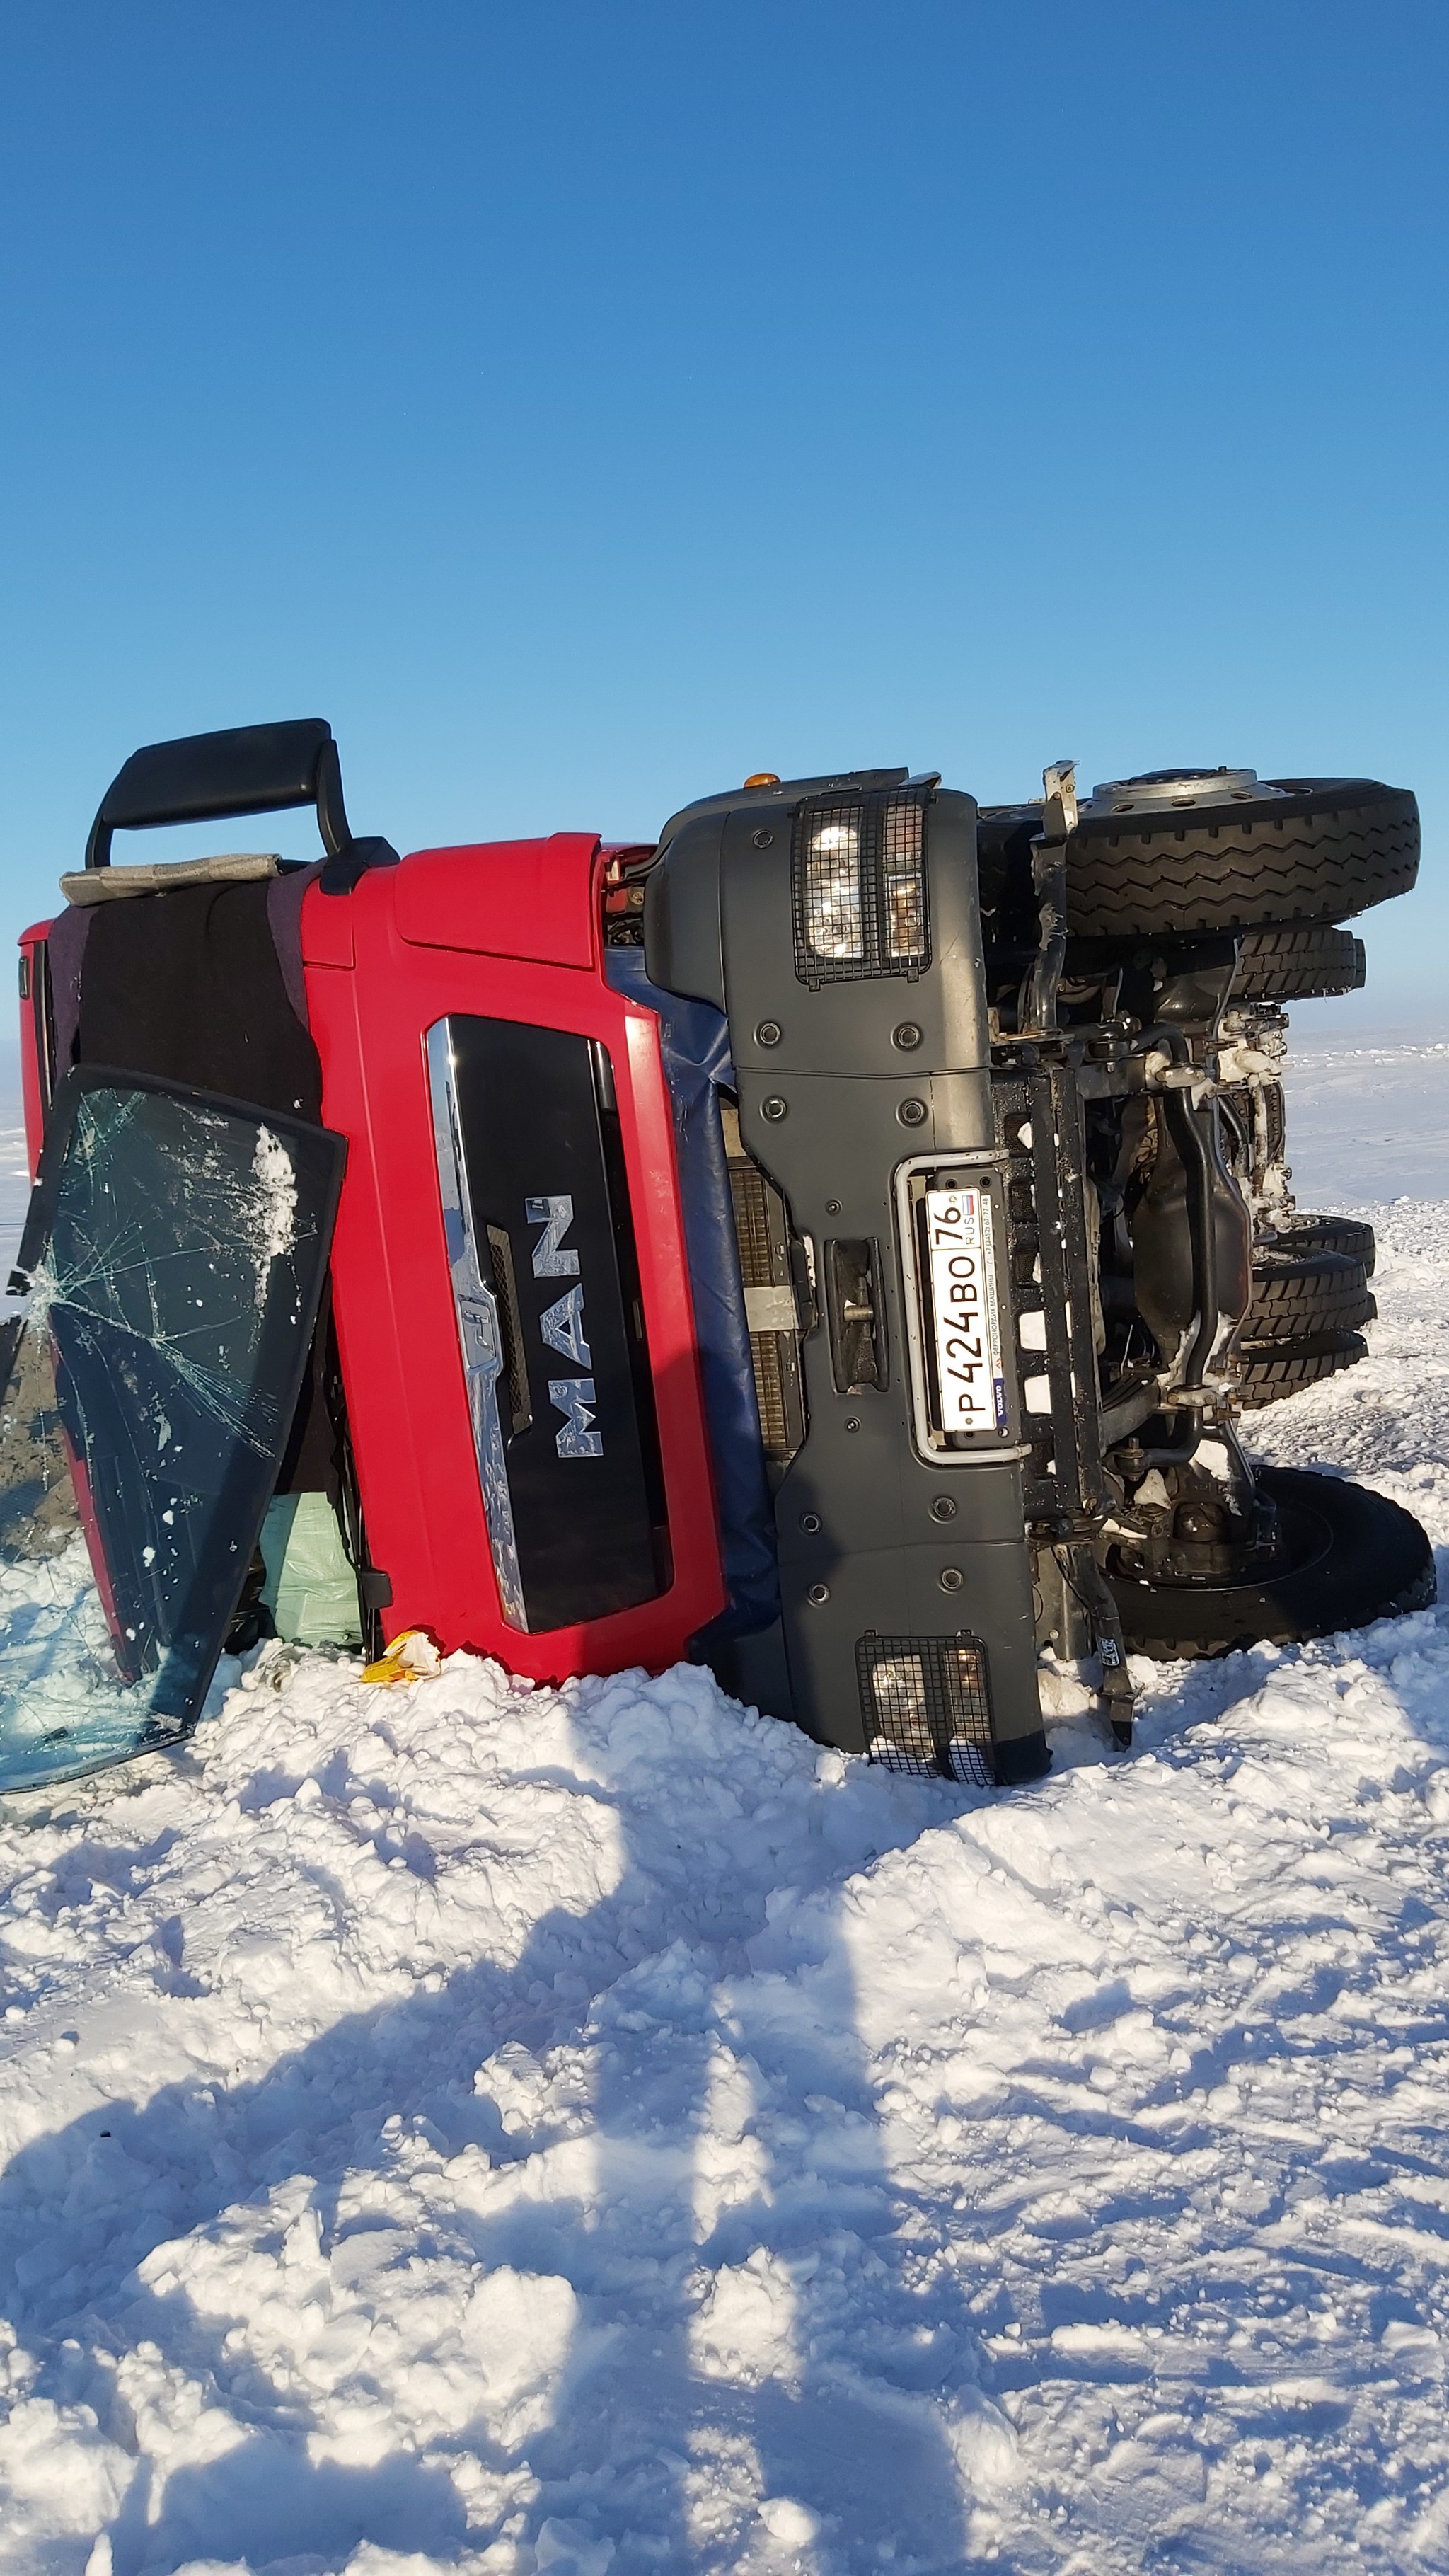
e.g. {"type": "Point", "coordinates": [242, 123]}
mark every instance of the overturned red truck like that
{"type": "Point", "coordinates": [836, 1242]}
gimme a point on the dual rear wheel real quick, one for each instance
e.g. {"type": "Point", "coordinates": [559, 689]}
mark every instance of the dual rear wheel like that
{"type": "Point", "coordinates": [1311, 1300]}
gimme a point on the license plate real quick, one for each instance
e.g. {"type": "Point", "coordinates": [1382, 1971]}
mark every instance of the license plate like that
{"type": "Point", "coordinates": [964, 1321]}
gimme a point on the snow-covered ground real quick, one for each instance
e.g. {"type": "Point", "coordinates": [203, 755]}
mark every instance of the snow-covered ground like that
{"type": "Point", "coordinates": [500, 2129]}
{"type": "Point", "coordinates": [1369, 1119]}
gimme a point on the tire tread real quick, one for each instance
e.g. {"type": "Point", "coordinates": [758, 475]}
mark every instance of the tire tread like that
{"type": "Point", "coordinates": [1315, 868]}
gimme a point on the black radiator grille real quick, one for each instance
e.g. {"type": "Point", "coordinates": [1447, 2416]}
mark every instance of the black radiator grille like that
{"type": "Point", "coordinates": [762, 1234]}
{"type": "Point", "coordinates": [752, 1224]}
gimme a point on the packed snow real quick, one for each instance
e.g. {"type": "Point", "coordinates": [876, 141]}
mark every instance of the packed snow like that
{"type": "Point", "coordinates": [488, 2128]}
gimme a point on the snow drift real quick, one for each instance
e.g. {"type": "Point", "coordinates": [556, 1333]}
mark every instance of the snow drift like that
{"type": "Point", "coordinates": [503, 2129]}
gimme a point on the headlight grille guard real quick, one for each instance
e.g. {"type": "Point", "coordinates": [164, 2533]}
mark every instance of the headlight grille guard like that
{"type": "Point", "coordinates": [858, 885]}
{"type": "Point", "coordinates": [926, 1705]}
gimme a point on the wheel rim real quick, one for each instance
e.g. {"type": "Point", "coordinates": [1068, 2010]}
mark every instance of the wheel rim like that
{"type": "Point", "coordinates": [1307, 1537]}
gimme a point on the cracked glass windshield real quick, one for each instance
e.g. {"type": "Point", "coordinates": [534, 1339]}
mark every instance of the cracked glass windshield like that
{"type": "Point", "coordinates": [175, 1252]}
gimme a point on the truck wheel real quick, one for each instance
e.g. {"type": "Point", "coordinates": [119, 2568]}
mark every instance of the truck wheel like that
{"type": "Point", "coordinates": [1297, 1293]}
{"type": "Point", "coordinates": [1297, 962]}
{"type": "Point", "coordinates": [1323, 851]}
{"type": "Point", "coordinates": [1347, 1234]}
{"type": "Point", "coordinates": [1268, 1371]}
{"type": "Point", "coordinates": [1352, 1557]}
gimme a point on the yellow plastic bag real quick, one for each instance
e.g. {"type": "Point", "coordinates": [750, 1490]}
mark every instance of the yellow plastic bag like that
{"type": "Point", "coordinates": [412, 1657]}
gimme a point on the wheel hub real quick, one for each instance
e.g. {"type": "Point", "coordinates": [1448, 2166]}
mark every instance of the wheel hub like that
{"type": "Point", "coordinates": [1160, 790]}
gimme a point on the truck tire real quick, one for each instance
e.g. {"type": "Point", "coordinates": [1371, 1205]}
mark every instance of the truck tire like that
{"type": "Point", "coordinates": [1327, 849]}
{"type": "Point", "coordinates": [1353, 1557]}
{"type": "Point", "coordinates": [1297, 962]}
{"type": "Point", "coordinates": [1267, 1371]}
{"type": "Point", "coordinates": [1297, 1293]}
{"type": "Point", "coordinates": [1004, 835]}
{"type": "Point", "coordinates": [1348, 1234]}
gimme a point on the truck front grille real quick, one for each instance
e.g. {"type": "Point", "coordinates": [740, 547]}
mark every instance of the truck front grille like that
{"type": "Point", "coordinates": [762, 1234]}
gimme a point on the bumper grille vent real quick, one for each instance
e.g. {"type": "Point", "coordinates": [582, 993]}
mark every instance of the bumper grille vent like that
{"type": "Point", "coordinates": [858, 876]}
{"type": "Point", "coordinates": [926, 1705]}
{"type": "Point", "coordinates": [762, 1234]}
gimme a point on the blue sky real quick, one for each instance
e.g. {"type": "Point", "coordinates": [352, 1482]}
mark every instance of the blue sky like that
{"type": "Point", "coordinates": [583, 405]}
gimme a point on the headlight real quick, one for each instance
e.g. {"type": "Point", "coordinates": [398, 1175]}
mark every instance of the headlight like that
{"type": "Point", "coordinates": [903, 879]}
{"type": "Point", "coordinates": [926, 1705]}
{"type": "Point", "coordinates": [859, 873]}
{"type": "Point", "coordinates": [834, 916]}
{"type": "Point", "coordinates": [898, 1703]}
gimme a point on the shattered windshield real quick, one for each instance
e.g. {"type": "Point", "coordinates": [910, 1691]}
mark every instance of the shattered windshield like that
{"type": "Point", "coordinates": [175, 1251]}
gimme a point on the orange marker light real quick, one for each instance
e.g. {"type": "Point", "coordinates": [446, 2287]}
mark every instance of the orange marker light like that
{"type": "Point", "coordinates": [763, 778]}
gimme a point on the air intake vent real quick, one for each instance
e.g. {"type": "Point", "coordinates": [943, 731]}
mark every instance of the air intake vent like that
{"type": "Point", "coordinates": [772, 1300]}
{"type": "Point", "coordinates": [926, 1706]}
{"type": "Point", "coordinates": [858, 870]}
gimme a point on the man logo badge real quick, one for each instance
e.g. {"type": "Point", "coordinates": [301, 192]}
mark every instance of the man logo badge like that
{"type": "Point", "coordinates": [550, 1260]}
{"type": "Point", "coordinates": [574, 1397]}
{"type": "Point", "coordinates": [562, 1327]}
